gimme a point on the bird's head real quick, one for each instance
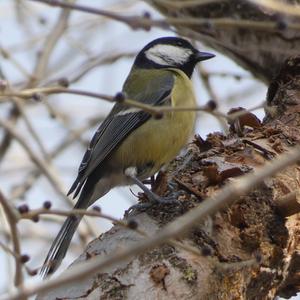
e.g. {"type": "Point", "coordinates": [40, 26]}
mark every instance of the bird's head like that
{"type": "Point", "coordinates": [170, 52]}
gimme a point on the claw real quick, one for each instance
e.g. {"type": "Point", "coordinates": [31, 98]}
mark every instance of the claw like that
{"type": "Point", "coordinates": [139, 206]}
{"type": "Point", "coordinates": [155, 200]}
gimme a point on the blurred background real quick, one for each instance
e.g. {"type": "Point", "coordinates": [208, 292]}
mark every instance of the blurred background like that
{"type": "Point", "coordinates": [93, 54]}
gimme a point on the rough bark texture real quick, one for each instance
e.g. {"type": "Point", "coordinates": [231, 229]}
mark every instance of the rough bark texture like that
{"type": "Point", "coordinates": [249, 251]}
{"type": "Point", "coordinates": [259, 47]}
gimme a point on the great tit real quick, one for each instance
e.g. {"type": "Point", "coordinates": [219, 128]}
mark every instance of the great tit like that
{"type": "Point", "coordinates": [131, 145]}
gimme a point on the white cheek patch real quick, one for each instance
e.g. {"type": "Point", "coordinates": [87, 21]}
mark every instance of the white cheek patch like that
{"type": "Point", "coordinates": [167, 55]}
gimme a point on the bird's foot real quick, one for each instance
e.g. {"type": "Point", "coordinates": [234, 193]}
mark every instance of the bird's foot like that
{"type": "Point", "coordinates": [153, 201]}
{"type": "Point", "coordinates": [153, 198]}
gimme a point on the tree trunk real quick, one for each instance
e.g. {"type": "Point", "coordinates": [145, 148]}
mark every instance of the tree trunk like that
{"type": "Point", "coordinates": [257, 38]}
{"type": "Point", "coordinates": [248, 251]}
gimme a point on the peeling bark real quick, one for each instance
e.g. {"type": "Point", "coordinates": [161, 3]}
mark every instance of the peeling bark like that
{"type": "Point", "coordinates": [249, 251]}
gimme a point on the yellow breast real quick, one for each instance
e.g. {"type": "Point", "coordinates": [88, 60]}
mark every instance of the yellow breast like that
{"type": "Point", "coordinates": [160, 140]}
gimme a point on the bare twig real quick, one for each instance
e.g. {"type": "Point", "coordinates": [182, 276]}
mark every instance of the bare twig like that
{"type": "Point", "coordinates": [146, 23]}
{"type": "Point", "coordinates": [51, 41]}
{"type": "Point", "coordinates": [205, 79]}
{"type": "Point", "coordinates": [92, 63]}
{"type": "Point", "coordinates": [20, 107]}
{"type": "Point", "coordinates": [39, 70]}
{"type": "Point", "coordinates": [6, 54]}
{"type": "Point", "coordinates": [8, 250]}
{"type": "Point", "coordinates": [132, 103]}
{"type": "Point", "coordinates": [286, 8]}
{"type": "Point", "coordinates": [186, 3]}
{"type": "Point", "coordinates": [44, 167]}
{"type": "Point", "coordinates": [74, 136]}
{"type": "Point", "coordinates": [12, 218]}
{"type": "Point", "coordinates": [28, 93]}
{"type": "Point", "coordinates": [58, 212]}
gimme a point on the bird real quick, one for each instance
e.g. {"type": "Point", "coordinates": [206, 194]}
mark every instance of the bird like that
{"type": "Point", "coordinates": [131, 144]}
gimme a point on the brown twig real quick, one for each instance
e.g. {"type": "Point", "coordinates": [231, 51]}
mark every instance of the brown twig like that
{"type": "Point", "coordinates": [277, 6]}
{"type": "Point", "coordinates": [94, 62]}
{"type": "Point", "coordinates": [12, 218]}
{"type": "Point", "coordinates": [43, 166]}
{"type": "Point", "coordinates": [185, 4]}
{"type": "Point", "coordinates": [20, 106]}
{"type": "Point", "coordinates": [58, 212]}
{"type": "Point", "coordinates": [146, 23]}
{"type": "Point", "coordinates": [74, 136]}
{"type": "Point", "coordinates": [29, 93]}
{"type": "Point", "coordinates": [6, 54]}
{"type": "Point", "coordinates": [51, 41]}
{"type": "Point", "coordinates": [205, 79]}
{"type": "Point", "coordinates": [39, 70]}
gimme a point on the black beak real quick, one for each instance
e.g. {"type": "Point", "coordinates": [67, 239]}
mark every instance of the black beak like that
{"type": "Point", "coordinates": [199, 56]}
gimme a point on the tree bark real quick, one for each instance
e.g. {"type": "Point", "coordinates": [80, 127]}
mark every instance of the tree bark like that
{"type": "Point", "coordinates": [257, 38]}
{"type": "Point", "coordinates": [249, 251]}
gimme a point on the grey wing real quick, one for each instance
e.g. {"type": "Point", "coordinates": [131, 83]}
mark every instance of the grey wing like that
{"type": "Point", "coordinates": [116, 127]}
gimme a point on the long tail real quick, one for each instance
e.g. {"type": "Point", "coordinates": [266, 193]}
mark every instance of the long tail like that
{"type": "Point", "coordinates": [63, 239]}
{"type": "Point", "coordinates": [60, 246]}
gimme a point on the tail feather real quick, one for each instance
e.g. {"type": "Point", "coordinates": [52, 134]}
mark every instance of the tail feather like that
{"type": "Point", "coordinates": [63, 239]}
{"type": "Point", "coordinates": [60, 246]}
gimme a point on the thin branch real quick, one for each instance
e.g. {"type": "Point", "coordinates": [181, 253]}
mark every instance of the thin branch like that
{"type": "Point", "coordinates": [286, 8]}
{"type": "Point", "coordinates": [65, 213]}
{"type": "Point", "coordinates": [205, 79]}
{"type": "Point", "coordinates": [6, 140]}
{"type": "Point", "coordinates": [12, 219]}
{"type": "Point", "coordinates": [51, 41]}
{"type": "Point", "coordinates": [44, 167]}
{"type": "Point", "coordinates": [11, 252]}
{"type": "Point", "coordinates": [39, 70]}
{"type": "Point", "coordinates": [146, 23]}
{"type": "Point", "coordinates": [20, 107]}
{"type": "Point", "coordinates": [29, 93]}
{"type": "Point", "coordinates": [92, 63]}
{"type": "Point", "coordinates": [185, 4]}
{"type": "Point", "coordinates": [6, 55]}
{"type": "Point", "coordinates": [92, 213]}
{"type": "Point", "coordinates": [154, 110]}
{"type": "Point", "coordinates": [73, 136]}
{"type": "Point", "coordinates": [131, 21]}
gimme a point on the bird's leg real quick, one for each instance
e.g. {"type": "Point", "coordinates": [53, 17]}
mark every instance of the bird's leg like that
{"type": "Point", "coordinates": [150, 195]}
{"type": "Point", "coordinates": [152, 180]}
{"type": "Point", "coordinates": [153, 198]}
